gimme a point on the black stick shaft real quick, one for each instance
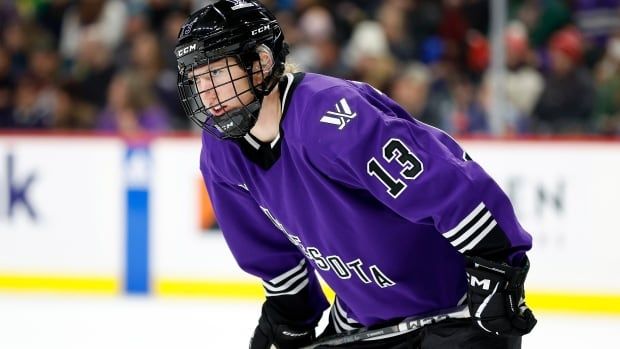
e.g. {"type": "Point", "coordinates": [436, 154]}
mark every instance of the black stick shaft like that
{"type": "Point", "coordinates": [407, 325]}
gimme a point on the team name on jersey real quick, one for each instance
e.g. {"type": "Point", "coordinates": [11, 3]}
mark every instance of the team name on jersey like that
{"type": "Point", "coordinates": [343, 269]}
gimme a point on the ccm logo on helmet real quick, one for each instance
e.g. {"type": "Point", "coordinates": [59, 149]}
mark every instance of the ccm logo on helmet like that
{"type": "Point", "coordinates": [260, 30]}
{"type": "Point", "coordinates": [185, 50]}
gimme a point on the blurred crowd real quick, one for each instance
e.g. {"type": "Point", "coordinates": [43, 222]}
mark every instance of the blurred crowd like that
{"type": "Point", "coordinates": [109, 65]}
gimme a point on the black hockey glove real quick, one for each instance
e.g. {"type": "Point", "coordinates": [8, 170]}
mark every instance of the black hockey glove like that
{"type": "Point", "coordinates": [281, 336]}
{"type": "Point", "coordinates": [496, 298]}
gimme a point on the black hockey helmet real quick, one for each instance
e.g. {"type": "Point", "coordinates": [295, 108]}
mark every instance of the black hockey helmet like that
{"type": "Point", "coordinates": [236, 29]}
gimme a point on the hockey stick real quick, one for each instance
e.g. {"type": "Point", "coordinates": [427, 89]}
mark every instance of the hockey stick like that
{"type": "Point", "coordinates": [407, 325]}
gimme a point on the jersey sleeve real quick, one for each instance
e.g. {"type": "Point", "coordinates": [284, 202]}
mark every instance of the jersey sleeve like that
{"type": "Point", "coordinates": [417, 171]}
{"type": "Point", "coordinates": [290, 283]}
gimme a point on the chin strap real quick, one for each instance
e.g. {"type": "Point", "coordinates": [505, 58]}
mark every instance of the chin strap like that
{"type": "Point", "coordinates": [237, 123]}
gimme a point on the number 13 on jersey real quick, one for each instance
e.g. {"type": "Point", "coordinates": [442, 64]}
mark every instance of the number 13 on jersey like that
{"type": "Point", "coordinates": [412, 167]}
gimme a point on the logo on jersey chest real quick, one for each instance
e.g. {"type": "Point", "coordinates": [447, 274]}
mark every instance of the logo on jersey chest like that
{"type": "Point", "coordinates": [340, 116]}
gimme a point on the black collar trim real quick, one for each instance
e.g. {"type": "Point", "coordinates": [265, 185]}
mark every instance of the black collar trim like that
{"type": "Point", "coordinates": [265, 154]}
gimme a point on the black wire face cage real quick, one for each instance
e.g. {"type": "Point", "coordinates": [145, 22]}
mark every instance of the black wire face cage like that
{"type": "Point", "coordinates": [236, 118]}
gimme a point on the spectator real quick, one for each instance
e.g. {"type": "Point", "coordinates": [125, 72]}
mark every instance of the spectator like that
{"type": "Point", "coordinates": [522, 83]}
{"type": "Point", "coordinates": [465, 114]}
{"type": "Point", "coordinates": [168, 77]}
{"type": "Point", "coordinates": [542, 18]}
{"type": "Point", "coordinates": [49, 15]}
{"type": "Point", "coordinates": [169, 33]}
{"type": "Point", "coordinates": [7, 88]}
{"type": "Point", "coordinates": [608, 82]}
{"type": "Point", "coordinates": [412, 90]}
{"type": "Point", "coordinates": [567, 101]}
{"type": "Point", "coordinates": [147, 61]}
{"type": "Point", "coordinates": [453, 28]}
{"type": "Point", "coordinates": [92, 21]}
{"type": "Point", "coordinates": [93, 71]}
{"type": "Point", "coordinates": [62, 54]}
{"type": "Point", "coordinates": [423, 23]}
{"type": "Point", "coordinates": [32, 106]}
{"type": "Point", "coordinates": [158, 10]}
{"type": "Point", "coordinates": [476, 54]}
{"type": "Point", "coordinates": [131, 106]}
{"type": "Point", "coordinates": [137, 23]}
{"type": "Point", "coordinates": [392, 15]}
{"type": "Point", "coordinates": [70, 112]}
{"type": "Point", "coordinates": [322, 48]}
{"type": "Point", "coordinates": [43, 61]}
{"type": "Point", "coordinates": [14, 39]}
{"type": "Point", "coordinates": [8, 13]}
{"type": "Point", "coordinates": [369, 56]}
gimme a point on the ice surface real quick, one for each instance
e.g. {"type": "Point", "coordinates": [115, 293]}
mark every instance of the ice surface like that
{"type": "Point", "coordinates": [67, 322]}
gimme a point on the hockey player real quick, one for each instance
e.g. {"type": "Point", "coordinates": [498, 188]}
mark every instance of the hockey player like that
{"type": "Point", "coordinates": [310, 173]}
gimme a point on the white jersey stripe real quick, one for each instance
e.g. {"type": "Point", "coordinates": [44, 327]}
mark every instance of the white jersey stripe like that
{"type": "Point", "coordinates": [472, 229]}
{"type": "Point", "coordinates": [286, 285]}
{"type": "Point", "coordinates": [289, 81]}
{"type": "Point", "coordinates": [342, 322]}
{"type": "Point", "coordinates": [293, 291]}
{"type": "Point", "coordinates": [343, 325]}
{"type": "Point", "coordinates": [464, 222]}
{"type": "Point", "coordinates": [478, 238]}
{"type": "Point", "coordinates": [344, 313]}
{"type": "Point", "coordinates": [251, 141]}
{"type": "Point", "coordinates": [288, 273]}
{"type": "Point", "coordinates": [335, 322]}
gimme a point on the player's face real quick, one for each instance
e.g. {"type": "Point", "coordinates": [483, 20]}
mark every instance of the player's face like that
{"type": "Point", "coordinates": [223, 86]}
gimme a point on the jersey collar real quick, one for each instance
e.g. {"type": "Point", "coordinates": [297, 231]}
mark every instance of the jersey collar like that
{"type": "Point", "coordinates": [265, 154]}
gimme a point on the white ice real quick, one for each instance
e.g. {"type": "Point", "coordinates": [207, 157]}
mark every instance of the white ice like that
{"type": "Point", "coordinates": [92, 322]}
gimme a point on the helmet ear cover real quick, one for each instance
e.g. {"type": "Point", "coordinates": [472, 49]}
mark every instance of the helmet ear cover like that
{"type": "Point", "coordinates": [269, 71]}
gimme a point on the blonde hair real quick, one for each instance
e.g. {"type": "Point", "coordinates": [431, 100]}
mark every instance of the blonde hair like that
{"type": "Point", "coordinates": [291, 68]}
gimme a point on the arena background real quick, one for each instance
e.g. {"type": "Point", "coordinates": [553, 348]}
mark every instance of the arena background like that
{"type": "Point", "coordinates": [107, 238]}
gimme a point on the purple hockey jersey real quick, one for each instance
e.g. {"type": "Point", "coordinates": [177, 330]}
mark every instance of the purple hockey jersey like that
{"type": "Point", "coordinates": [382, 206]}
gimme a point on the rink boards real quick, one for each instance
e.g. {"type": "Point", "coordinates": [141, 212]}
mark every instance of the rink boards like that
{"type": "Point", "coordinates": [114, 216]}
